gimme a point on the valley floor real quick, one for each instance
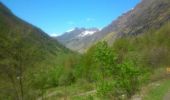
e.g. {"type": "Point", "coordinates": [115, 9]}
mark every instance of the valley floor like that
{"type": "Point", "coordinates": [156, 90]}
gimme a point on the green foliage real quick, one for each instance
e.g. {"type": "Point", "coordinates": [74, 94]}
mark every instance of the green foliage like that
{"type": "Point", "coordinates": [128, 79]}
{"type": "Point", "coordinates": [66, 79]}
{"type": "Point", "coordinates": [103, 54]}
{"type": "Point", "coordinates": [124, 67]}
{"type": "Point", "coordinates": [25, 50]}
{"type": "Point", "coordinates": [31, 62]}
{"type": "Point", "coordinates": [124, 77]}
{"type": "Point", "coordinates": [156, 92]}
{"type": "Point", "coordinates": [105, 89]}
{"type": "Point", "coordinates": [86, 68]}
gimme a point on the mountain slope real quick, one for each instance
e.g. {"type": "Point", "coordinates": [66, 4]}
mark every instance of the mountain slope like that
{"type": "Point", "coordinates": [77, 39]}
{"type": "Point", "coordinates": [12, 26]}
{"type": "Point", "coordinates": [146, 15]}
{"type": "Point", "coordinates": [25, 50]}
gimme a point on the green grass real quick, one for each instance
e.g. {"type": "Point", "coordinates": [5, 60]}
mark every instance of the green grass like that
{"type": "Point", "coordinates": [158, 92]}
{"type": "Point", "coordinates": [71, 92]}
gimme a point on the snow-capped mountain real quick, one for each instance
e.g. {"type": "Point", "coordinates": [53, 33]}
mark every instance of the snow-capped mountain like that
{"type": "Point", "coordinates": [77, 38]}
{"type": "Point", "coordinates": [87, 33]}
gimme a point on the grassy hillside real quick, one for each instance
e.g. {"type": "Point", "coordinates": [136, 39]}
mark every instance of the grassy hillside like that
{"type": "Point", "coordinates": [27, 57]}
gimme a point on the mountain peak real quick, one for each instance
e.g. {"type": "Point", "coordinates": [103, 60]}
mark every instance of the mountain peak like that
{"type": "Point", "coordinates": [77, 35]}
{"type": "Point", "coordinates": [81, 31]}
{"type": "Point", "coordinates": [88, 32]}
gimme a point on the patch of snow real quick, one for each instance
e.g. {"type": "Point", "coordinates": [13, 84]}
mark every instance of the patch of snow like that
{"type": "Point", "coordinates": [86, 33]}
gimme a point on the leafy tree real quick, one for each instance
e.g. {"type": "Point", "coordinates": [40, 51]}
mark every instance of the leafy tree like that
{"type": "Point", "coordinates": [105, 57]}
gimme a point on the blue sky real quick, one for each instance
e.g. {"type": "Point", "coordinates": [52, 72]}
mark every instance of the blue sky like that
{"type": "Point", "coordinates": [58, 16]}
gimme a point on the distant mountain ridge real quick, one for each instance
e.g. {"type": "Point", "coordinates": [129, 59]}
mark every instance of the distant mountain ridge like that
{"type": "Point", "coordinates": [146, 15]}
{"type": "Point", "coordinates": [77, 38]}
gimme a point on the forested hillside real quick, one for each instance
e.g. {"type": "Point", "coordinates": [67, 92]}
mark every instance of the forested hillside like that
{"type": "Point", "coordinates": [25, 52]}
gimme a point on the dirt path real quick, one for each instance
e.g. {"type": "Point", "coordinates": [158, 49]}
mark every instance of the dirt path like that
{"type": "Point", "coordinates": [49, 95]}
{"type": "Point", "coordinates": [86, 93]}
{"type": "Point", "coordinates": [154, 84]}
{"type": "Point", "coordinates": [144, 90]}
{"type": "Point", "coordinates": [167, 96]}
{"type": "Point", "coordinates": [81, 94]}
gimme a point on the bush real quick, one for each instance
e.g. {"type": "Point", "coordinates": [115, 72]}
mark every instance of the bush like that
{"type": "Point", "coordinates": [106, 89]}
{"type": "Point", "coordinates": [66, 79]}
{"type": "Point", "coordinates": [128, 79]}
{"type": "Point", "coordinates": [117, 79]}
